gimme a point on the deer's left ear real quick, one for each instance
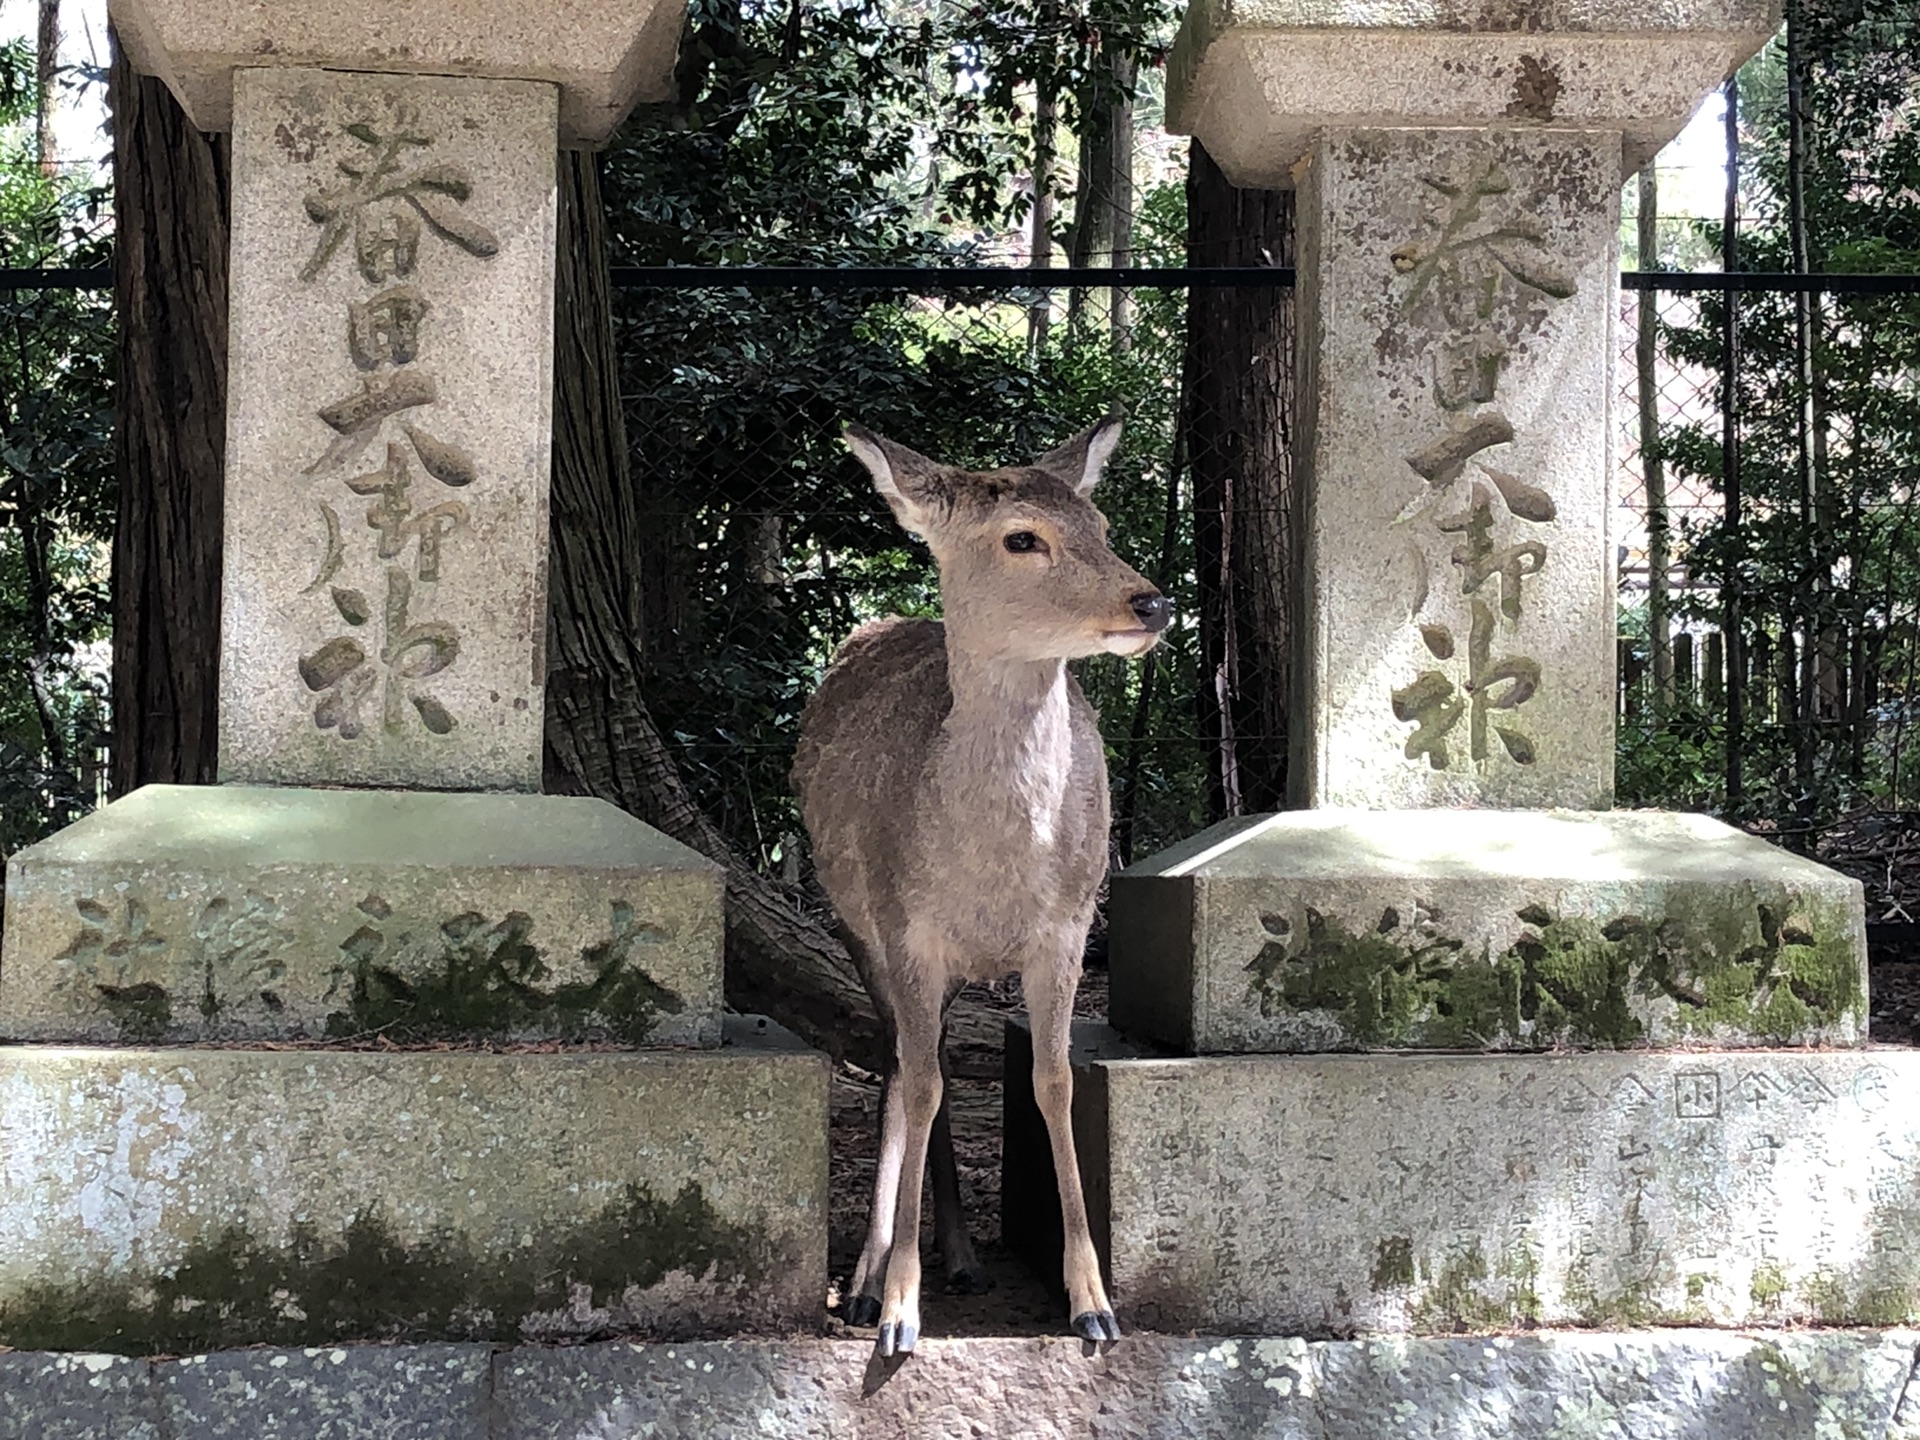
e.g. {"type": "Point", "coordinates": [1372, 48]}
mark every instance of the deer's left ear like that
{"type": "Point", "coordinates": [1080, 460]}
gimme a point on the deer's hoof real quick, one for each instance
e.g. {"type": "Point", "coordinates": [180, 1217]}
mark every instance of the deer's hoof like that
{"type": "Point", "coordinates": [861, 1310]}
{"type": "Point", "coordinates": [897, 1337]}
{"type": "Point", "coordinates": [1096, 1325]}
{"type": "Point", "coordinates": [972, 1280]}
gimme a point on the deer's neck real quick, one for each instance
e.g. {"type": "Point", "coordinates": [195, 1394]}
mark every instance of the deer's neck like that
{"type": "Point", "coordinates": [1008, 741]}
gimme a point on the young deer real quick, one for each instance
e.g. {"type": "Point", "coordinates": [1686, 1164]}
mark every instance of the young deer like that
{"type": "Point", "coordinates": [954, 784]}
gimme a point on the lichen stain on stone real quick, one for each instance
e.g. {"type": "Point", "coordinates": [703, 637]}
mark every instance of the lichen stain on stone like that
{"type": "Point", "coordinates": [367, 1283]}
{"type": "Point", "coordinates": [487, 979]}
{"type": "Point", "coordinates": [1536, 89]}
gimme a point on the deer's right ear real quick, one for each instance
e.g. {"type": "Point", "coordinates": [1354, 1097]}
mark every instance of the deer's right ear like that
{"type": "Point", "coordinates": [898, 473]}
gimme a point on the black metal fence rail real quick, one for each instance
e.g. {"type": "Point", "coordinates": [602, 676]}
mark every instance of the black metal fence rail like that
{"type": "Point", "coordinates": [965, 277]}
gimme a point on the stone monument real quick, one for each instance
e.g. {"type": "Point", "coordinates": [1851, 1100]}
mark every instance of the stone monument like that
{"type": "Point", "coordinates": [376, 861]}
{"type": "Point", "coordinates": [1454, 881]}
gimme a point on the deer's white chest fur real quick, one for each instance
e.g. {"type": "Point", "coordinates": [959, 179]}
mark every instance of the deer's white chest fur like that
{"type": "Point", "coordinates": [1014, 839]}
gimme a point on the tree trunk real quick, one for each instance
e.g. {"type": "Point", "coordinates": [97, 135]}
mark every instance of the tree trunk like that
{"type": "Point", "coordinates": [601, 739]}
{"type": "Point", "coordinates": [1040, 241]}
{"type": "Point", "coordinates": [1239, 362]}
{"type": "Point", "coordinates": [1103, 192]}
{"type": "Point", "coordinates": [46, 66]}
{"type": "Point", "coordinates": [170, 293]}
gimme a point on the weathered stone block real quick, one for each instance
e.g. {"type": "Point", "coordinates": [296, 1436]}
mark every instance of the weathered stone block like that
{"type": "Point", "coordinates": [1484, 929]}
{"type": "Point", "coordinates": [1354, 1193]}
{"type": "Point", "coordinates": [183, 1200]}
{"type": "Point", "coordinates": [77, 1397]}
{"type": "Point", "coordinates": [1456, 310]}
{"type": "Point", "coordinates": [604, 57]}
{"type": "Point", "coordinates": [231, 912]}
{"type": "Point", "coordinates": [1257, 80]}
{"type": "Point", "coordinates": [389, 415]}
{"type": "Point", "coordinates": [357, 1392]}
{"type": "Point", "coordinates": [1671, 1385]}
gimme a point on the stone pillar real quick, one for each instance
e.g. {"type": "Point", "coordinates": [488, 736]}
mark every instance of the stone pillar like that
{"type": "Point", "coordinates": [1456, 881]}
{"type": "Point", "coordinates": [383, 625]}
{"type": "Point", "coordinates": [390, 392]}
{"type": "Point", "coordinates": [1457, 253]}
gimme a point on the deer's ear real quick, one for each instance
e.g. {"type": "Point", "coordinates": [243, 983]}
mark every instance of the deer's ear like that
{"type": "Point", "coordinates": [907, 479]}
{"type": "Point", "coordinates": [1080, 460]}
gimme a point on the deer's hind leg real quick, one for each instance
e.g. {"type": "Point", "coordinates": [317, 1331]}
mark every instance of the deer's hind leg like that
{"type": "Point", "coordinates": [1049, 986]}
{"type": "Point", "coordinates": [964, 1273]}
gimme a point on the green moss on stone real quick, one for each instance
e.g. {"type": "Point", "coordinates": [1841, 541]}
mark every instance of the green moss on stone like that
{"type": "Point", "coordinates": [1730, 962]}
{"type": "Point", "coordinates": [1769, 1286]}
{"type": "Point", "coordinates": [1776, 968]}
{"type": "Point", "coordinates": [144, 1012]}
{"type": "Point", "coordinates": [1574, 979]}
{"type": "Point", "coordinates": [368, 1284]}
{"type": "Point", "coordinates": [1466, 1294]}
{"type": "Point", "coordinates": [1393, 1263]}
{"type": "Point", "coordinates": [488, 979]}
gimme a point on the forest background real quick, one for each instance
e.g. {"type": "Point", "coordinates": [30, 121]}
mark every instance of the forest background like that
{"type": "Point", "coordinates": [713, 543]}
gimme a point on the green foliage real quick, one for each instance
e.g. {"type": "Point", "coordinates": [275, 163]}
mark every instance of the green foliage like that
{"type": "Point", "coordinates": [1828, 547]}
{"type": "Point", "coordinates": [56, 480]}
{"type": "Point", "coordinates": [804, 135]}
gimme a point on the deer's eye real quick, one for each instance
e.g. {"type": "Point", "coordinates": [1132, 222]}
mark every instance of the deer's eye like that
{"type": "Point", "coordinates": [1024, 542]}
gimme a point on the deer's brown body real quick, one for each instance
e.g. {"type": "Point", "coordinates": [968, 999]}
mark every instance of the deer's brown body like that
{"type": "Point", "coordinates": [953, 782]}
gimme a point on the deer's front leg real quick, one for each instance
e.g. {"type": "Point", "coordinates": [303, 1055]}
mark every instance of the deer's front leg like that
{"type": "Point", "coordinates": [862, 1305]}
{"type": "Point", "coordinates": [917, 1082]}
{"type": "Point", "coordinates": [1049, 994]}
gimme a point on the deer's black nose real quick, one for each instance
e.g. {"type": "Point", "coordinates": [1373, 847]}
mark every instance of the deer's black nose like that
{"type": "Point", "coordinates": [1154, 610]}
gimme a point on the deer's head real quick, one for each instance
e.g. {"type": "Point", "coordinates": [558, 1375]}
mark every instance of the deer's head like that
{"type": "Point", "coordinates": [1025, 569]}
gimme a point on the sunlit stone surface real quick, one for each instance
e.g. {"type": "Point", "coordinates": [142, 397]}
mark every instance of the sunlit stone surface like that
{"type": "Point", "coordinates": [1338, 1193]}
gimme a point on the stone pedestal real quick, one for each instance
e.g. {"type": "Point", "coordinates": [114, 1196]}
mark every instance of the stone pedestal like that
{"type": "Point", "coordinates": [1484, 930]}
{"type": "Point", "coordinates": [168, 1200]}
{"type": "Point", "coordinates": [1334, 1194]}
{"type": "Point", "coordinates": [192, 913]}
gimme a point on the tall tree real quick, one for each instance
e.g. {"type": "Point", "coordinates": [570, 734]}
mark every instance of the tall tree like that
{"type": "Point", "coordinates": [170, 293]}
{"type": "Point", "coordinates": [601, 737]}
{"type": "Point", "coordinates": [1239, 384]}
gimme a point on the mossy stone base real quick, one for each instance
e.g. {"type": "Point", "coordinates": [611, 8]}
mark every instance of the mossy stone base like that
{"type": "Point", "coordinates": [190, 913]}
{"type": "Point", "coordinates": [1342, 1194]}
{"type": "Point", "coordinates": [1484, 930]}
{"type": "Point", "coordinates": [173, 1200]}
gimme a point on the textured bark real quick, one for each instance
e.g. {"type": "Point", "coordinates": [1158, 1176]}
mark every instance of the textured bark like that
{"type": "Point", "coordinates": [1103, 194]}
{"type": "Point", "coordinates": [46, 69]}
{"type": "Point", "coordinates": [170, 291]}
{"type": "Point", "coordinates": [1239, 414]}
{"type": "Point", "coordinates": [601, 740]}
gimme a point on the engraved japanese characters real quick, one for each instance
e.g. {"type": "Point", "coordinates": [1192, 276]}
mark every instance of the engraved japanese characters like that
{"type": "Point", "coordinates": [1455, 300]}
{"type": "Point", "coordinates": [388, 461]}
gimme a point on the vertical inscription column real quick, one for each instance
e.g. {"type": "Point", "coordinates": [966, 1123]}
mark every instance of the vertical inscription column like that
{"type": "Point", "coordinates": [1457, 297]}
{"type": "Point", "coordinates": [384, 604]}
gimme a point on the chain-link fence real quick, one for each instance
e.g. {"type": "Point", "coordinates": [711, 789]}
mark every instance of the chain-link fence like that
{"type": "Point", "coordinates": [1769, 575]}
{"type": "Point", "coordinates": [766, 543]}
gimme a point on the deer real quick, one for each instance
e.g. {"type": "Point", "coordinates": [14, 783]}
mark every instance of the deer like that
{"type": "Point", "coordinates": [953, 784]}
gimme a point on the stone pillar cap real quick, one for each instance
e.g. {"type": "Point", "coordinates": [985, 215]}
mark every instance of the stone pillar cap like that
{"type": "Point", "coordinates": [1255, 80]}
{"type": "Point", "coordinates": [605, 55]}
